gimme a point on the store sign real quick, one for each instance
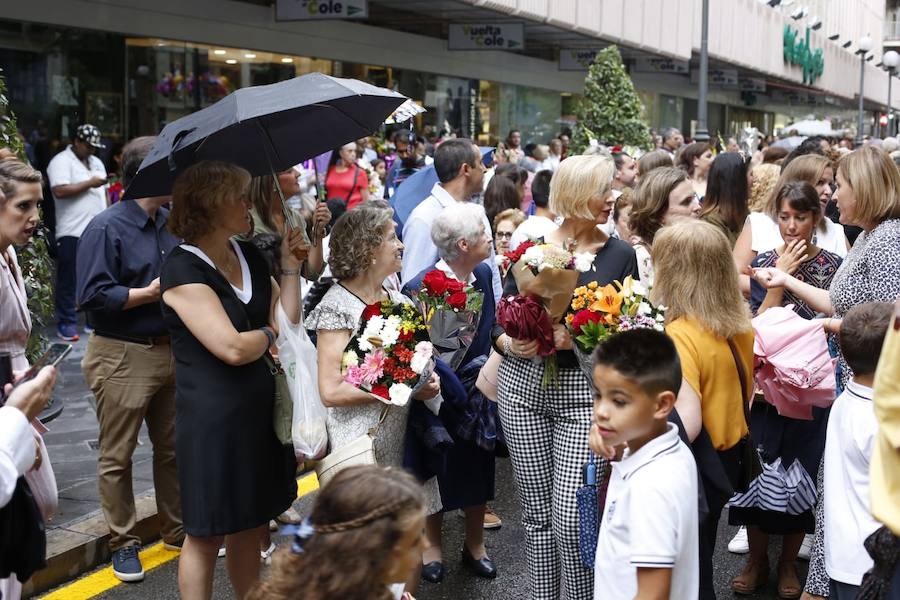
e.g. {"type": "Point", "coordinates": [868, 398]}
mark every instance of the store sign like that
{"type": "Point", "coordinates": [799, 52]}
{"type": "Point", "coordinates": [486, 36]}
{"type": "Point", "coordinates": [308, 10]}
{"type": "Point", "coordinates": [662, 65]}
{"type": "Point", "coordinates": [576, 59]}
{"type": "Point", "coordinates": [718, 77]}
{"type": "Point", "coordinates": [752, 84]}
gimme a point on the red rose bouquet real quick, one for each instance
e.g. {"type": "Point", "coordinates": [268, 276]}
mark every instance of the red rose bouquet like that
{"type": "Point", "coordinates": [451, 310]}
{"type": "Point", "coordinates": [390, 356]}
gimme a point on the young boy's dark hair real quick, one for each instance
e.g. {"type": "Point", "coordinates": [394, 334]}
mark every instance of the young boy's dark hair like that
{"type": "Point", "coordinates": [645, 355]}
{"type": "Point", "coordinates": [862, 335]}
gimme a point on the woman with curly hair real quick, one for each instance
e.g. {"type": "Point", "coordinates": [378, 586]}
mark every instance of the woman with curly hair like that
{"type": "Point", "coordinates": [764, 177]}
{"type": "Point", "coordinates": [663, 196]}
{"type": "Point", "coordinates": [362, 540]}
{"type": "Point", "coordinates": [363, 251]}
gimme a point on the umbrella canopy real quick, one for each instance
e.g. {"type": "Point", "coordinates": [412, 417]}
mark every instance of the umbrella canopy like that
{"type": "Point", "coordinates": [266, 128]}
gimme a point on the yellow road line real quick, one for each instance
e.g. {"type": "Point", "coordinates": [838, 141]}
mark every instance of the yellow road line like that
{"type": "Point", "coordinates": [151, 558]}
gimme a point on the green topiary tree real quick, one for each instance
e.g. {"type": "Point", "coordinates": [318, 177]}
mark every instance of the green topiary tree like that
{"type": "Point", "coordinates": [610, 111]}
{"type": "Point", "coordinates": [34, 259]}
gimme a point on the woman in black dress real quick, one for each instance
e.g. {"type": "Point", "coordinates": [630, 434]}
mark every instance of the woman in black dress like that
{"type": "Point", "coordinates": [218, 302]}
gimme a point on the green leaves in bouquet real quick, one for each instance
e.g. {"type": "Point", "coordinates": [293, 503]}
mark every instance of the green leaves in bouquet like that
{"type": "Point", "coordinates": [592, 333]}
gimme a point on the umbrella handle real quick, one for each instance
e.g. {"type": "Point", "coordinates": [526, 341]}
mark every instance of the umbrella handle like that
{"type": "Point", "coordinates": [175, 141]}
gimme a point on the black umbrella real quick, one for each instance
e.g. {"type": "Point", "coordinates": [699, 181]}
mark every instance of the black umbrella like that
{"type": "Point", "coordinates": [266, 129]}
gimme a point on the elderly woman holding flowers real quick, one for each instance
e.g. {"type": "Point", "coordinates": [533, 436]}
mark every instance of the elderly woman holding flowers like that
{"type": "Point", "coordinates": [546, 426]}
{"type": "Point", "coordinates": [460, 285]}
{"type": "Point", "coordinates": [364, 251]}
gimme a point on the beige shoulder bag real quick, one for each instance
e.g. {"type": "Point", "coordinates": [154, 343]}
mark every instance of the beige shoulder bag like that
{"type": "Point", "coordinates": [360, 451]}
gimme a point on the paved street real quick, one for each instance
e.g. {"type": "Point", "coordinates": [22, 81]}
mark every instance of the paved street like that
{"type": "Point", "coordinates": [505, 546]}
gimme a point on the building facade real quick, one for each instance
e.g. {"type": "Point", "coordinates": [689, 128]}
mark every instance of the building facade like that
{"type": "Point", "coordinates": [131, 66]}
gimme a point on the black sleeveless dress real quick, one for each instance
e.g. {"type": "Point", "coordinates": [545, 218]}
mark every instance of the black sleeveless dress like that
{"type": "Point", "coordinates": [233, 471]}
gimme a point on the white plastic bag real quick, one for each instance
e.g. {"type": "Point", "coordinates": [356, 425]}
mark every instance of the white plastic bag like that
{"type": "Point", "coordinates": [298, 358]}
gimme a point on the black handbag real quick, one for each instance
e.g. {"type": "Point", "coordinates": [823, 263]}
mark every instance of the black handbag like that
{"type": "Point", "coordinates": [23, 540]}
{"type": "Point", "coordinates": [749, 455]}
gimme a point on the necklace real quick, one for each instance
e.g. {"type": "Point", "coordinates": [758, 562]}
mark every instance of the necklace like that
{"type": "Point", "coordinates": [366, 299]}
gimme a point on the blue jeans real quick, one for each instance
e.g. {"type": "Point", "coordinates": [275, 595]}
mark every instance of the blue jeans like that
{"type": "Point", "coordinates": [65, 280]}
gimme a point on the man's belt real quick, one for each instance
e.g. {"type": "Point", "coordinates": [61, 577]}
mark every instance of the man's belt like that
{"type": "Point", "coordinates": [161, 340]}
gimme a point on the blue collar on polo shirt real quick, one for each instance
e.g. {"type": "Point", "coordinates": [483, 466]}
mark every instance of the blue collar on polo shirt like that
{"type": "Point", "coordinates": [664, 444]}
{"type": "Point", "coordinates": [859, 390]}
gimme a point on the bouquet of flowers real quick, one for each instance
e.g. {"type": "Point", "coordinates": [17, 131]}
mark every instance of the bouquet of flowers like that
{"type": "Point", "coordinates": [391, 356]}
{"type": "Point", "coordinates": [451, 310]}
{"type": "Point", "coordinates": [549, 274]}
{"type": "Point", "coordinates": [599, 312]}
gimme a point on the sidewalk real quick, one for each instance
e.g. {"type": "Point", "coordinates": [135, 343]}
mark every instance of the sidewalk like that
{"type": "Point", "coordinates": [77, 536]}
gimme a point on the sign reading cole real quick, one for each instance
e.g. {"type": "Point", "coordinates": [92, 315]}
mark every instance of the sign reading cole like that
{"type": "Point", "coordinates": [486, 36]}
{"type": "Point", "coordinates": [307, 10]}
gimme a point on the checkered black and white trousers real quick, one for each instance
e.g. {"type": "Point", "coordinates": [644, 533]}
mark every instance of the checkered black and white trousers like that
{"type": "Point", "coordinates": [547, 434]}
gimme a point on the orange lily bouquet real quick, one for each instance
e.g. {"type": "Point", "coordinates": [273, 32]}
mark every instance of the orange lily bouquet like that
{"type": "Point", "coordinates": [599, 312]}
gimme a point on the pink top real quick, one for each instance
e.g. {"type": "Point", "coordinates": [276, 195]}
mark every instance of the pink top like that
{"type": "Point", "coordinates": [793, 367]}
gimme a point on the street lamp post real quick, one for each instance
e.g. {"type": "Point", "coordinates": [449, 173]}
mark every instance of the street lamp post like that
{"type": "Point", "coordinates": [702, 133]}
{"type": "Point", "coordinates": [864, 45]}
{"type": "Point", "coordinates": [891, 60]}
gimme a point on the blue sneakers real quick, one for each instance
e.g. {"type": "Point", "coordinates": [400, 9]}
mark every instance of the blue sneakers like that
{"type": "Point", "coordinates": [126, 564]}
{"type": "Point", "coordinates": [68, 333]}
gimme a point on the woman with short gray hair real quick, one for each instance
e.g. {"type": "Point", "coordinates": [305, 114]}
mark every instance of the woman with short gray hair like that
{"type": "Point", "coordinates": [364, 251]}
{"type": "Point", "coordinates": [467, 482]}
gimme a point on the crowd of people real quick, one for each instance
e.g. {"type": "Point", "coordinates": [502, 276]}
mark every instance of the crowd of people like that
{"type": "Point", "coordinates": [186, 296]}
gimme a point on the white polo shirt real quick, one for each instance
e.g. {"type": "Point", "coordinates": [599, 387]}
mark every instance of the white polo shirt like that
{"type": "Point", "coordinates": [650, 521]}
{"type": "Point", "coordinates": [75, 212]}
{"type": "Point", "coordinates": [849, 443]}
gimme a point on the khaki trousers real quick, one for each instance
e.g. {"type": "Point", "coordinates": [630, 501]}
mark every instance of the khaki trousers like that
{"type": "Point", "coordinates": [134, 383]}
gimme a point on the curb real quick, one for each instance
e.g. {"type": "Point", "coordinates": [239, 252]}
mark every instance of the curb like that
{"type": "Point", "coordinates": [82, 545]}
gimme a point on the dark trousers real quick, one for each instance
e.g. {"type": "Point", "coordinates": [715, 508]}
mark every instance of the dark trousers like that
{"type": "Point", "coordinates": [65, 280]}
{"type": "Point", "coordinates": [709, 527]}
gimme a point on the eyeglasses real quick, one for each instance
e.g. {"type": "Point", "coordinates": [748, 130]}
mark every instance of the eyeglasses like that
{"type": "Point", "coordinates": [504, 234]}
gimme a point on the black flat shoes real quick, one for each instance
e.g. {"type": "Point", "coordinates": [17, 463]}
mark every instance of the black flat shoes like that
{"type": "Point", "coordinates": [433, 572]}
{"type": "Point", "coordinates": [482, 567]}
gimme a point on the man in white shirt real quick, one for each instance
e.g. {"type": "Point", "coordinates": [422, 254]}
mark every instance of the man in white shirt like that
{"type": "Point", "coordinates": [78, 183]}
{"type": "Point", "coordinates": [460, 172]}
{"type": "Point", "coordinates": [542, 221]}
{"type": "Point", "coordinates": [649, 538]}
{"type": "Point", "coordinates": [849, 443]}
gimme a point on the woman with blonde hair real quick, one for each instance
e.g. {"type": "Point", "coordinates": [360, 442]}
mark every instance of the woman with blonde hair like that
{"type": "Point", "coordinates": [535, 419]}
{"type": "Point", "coordinates": [760, 232]}
{"type": "Point", "coordinates": [361, 541]}
{"type": "Point", "coordinates": [868, 196]}
{"type": "Point", "coordinates": [661, 198]}
{"type": "Point", "coordinates": [765, 177]}
{"type": "Point", "coordinates": [709, 321]}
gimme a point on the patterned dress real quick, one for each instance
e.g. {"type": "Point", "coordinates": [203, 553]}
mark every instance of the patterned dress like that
{"type": "Point", "coordinates": [341, 309]}
{"type": "Point", "coordinates": [784, 437]}
{"type": "Point", "coordinates": [869, 273]}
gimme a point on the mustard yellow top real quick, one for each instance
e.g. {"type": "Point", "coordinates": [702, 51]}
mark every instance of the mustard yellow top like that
{"type": "Point", "coordinates": [884, 471]}
{"type": "Point", "coordinates": [708, 366]}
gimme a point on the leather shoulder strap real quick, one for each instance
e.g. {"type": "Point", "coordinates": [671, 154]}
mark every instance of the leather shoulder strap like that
{"type": "Point", "coordinates": [745, 383]}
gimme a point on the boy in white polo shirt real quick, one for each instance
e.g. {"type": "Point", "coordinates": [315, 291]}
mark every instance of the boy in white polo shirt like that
{"type": "Point", "coordinates": [849, 443]}
{"type": "Point", "coordinates": [648, 545]}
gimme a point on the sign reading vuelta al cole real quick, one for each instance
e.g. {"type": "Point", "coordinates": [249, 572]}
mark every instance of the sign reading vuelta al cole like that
{"type": "Point", "coordinates": [308, 10]}
{"type": "Point", "coordinates": [576, 59]}
{"type": "Point", "coordinates": [798, 52]}
{"type": "Point", "coordinates": [486, 36]}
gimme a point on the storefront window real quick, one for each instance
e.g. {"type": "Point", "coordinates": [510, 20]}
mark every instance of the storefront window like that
{"type": "Point", "coordinates": [169, 79]}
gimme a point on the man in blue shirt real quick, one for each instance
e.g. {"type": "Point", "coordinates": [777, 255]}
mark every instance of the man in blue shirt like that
{"type": "Point", "coordinates": [128, 364]}
{"type": "Point", "coordinates": [460, 172]}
